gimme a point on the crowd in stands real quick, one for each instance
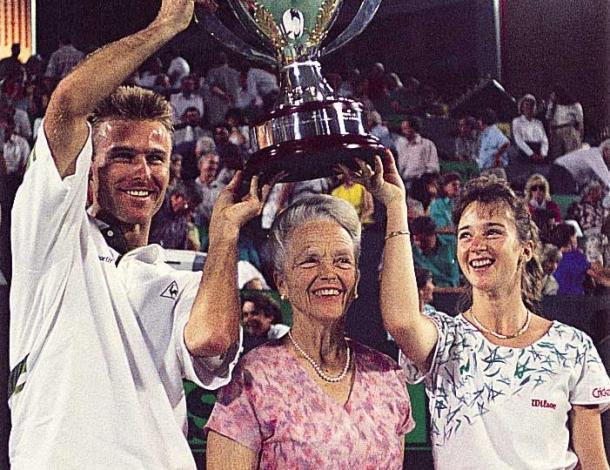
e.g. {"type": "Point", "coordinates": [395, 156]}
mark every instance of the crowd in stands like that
{"type": "Point", "coordinates": [541, 152]}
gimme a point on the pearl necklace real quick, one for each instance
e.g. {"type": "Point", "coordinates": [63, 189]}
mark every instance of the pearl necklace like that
{"type": "Point", "coordinates": [317, 368]}
{"type": "Point", "coordinates": [500, 335]}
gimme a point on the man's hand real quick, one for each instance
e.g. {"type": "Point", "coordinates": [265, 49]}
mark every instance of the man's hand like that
{"type": "Point", "coordinates": [230, 213]}
{"type": "Point", "coordinates": [384, 183]}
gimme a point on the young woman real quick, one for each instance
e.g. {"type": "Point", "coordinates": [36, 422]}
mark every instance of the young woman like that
{"type": "Point", "coordinates": [508, 389]}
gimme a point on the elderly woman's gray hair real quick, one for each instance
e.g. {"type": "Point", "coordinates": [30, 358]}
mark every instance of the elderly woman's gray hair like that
{"type": "Point", "coordinates": [307, 209]}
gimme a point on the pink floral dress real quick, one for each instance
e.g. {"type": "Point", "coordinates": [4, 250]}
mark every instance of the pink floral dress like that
{"type": "Point", "coordinates": [275, 408]}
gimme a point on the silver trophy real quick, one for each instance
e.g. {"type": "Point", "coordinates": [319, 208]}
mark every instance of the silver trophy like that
{"type": "Point", "coordinates": [310, 129]}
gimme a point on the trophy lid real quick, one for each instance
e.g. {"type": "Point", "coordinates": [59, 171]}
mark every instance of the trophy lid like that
{"type": "Point", "coordinates": [294, 29]}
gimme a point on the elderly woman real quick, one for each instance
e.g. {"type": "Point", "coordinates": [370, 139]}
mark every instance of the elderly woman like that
{"type": "Point", "coordinates": [314, 399]}
{"type": "Point", "coordinates": [529, 133]}
{"type": "Point", "coordinates": [498, 364]}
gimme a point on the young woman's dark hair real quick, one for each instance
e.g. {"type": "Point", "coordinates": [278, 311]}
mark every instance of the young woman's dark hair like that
{"type": "Point", "coordinates": [495, 193]}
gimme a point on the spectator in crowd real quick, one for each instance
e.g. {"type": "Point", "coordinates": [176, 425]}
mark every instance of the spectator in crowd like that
{"type": "Point", "coordinates": [297, 389]}
{"type": "Point", "coordinates": [573, 171]}
{"type": "Point", "coordinates": [441, 208]}
{"type": "Point", "coordinates": [426, 189]}
{"type": "Point", "coordinates": [493, 144]}
{"type": "Point", "coordinates": [425, 290]}
{"type": "Point", "coordinates": [589, 213]}
{"type": "Point", "coordinates": [467, 140]}
{"type": "Point", "coordinates": [361, 94]}
{"type": "Point", "coordinates": [208, 186]}
{"type": "Point", "coordinates": [262, 82]}
{"type": "Point", "coordinates": [190, 128]}
{"type": "Point", "coordinates": [20, 117]}
{"type": "Point", "coordinates": [187, 98]}
{"type": "Point", "coordinates": [124, 334]}
{"type": "Point", "coordinates": [11, 67]}
{"type": "Point", "coordinates": [247, 99]}
{"type": "Point", "coordinates": [239, 132]}
{"type": "Point", "coordinates": [175, 170]}
{"type": "Point", "coordinates": [566, 122]}
{"type": "Point", "coordinates": [379, 130]}
{"type": "Point", "coordinates": [377, 86]}
{"type": "Point", "coordinates": [357, 196]}
{"type": "Point", "coordinates": [415, 154]}
{"type": "Point", "coordinates": [178, 67]}
{"type": "Point", "coordinates": [432, 105]}
{"type": "Point", "coordinates": [147, 75]}
{"type": "Point", "coordinates": [573, 267]}
{"type": "Point", "coordinates": [15, 152]}
{"type": "Point", "coordinates": [538, 197]}
{"type": "Point", "coordinates": [494, 348]}
{"type": "Point", "coordinates": [528, 132]}
{"type": "Point", "coordinates": [64, 59]}
{"type": "Point", "coordinates": [224, 83]}
{"type": "Point", "coordinates": [261, 318]}
{"type": "Point", "coordinates": [550, 256]}
{"type": "Point", "coordinates": [232, 156]}
{"type": "Point", "coordinates": [434, 253]}
{"type": "Point", "coordinates": [162, 85]}
{"type": "Point", "coordinates": [173, 227]}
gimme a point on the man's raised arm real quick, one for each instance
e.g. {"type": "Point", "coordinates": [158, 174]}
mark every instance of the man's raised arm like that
{"type": "Point", "coordinates": [100, 74]}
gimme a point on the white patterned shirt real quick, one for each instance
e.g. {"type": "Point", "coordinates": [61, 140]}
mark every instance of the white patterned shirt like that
{"type": "Point", "coordinates": [507, 408]}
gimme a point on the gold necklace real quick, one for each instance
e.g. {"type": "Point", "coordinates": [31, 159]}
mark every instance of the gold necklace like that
{"type": "Point", "coordinates": [484, 329]}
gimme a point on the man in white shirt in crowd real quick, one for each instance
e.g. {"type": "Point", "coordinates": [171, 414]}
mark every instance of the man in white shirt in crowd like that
{"type": "Point", "coordinates": [416, 155]}
{"type": "Point", "coordinates": [23, 127]}
{"type": "Point", "coordinates": [64, 59]}
{"type": "Point", "coordinates": [102, 330]}
{"type": "Point", "coordinates": [223, 83]}
{"type": "Point", "coordinates": [15, 149]}
{"type": "Point", "coordinates": [573, 171]}
{"type": "Point", "coordinates": [208, 186]}
{"type": "Point", "coordinates": [261, 81]}
{"type": "Point", "coordinates": [187, 98]}
{"type": "Point", "coordinates": [529, 133]}
{"type": "Point", "coordinates": [177, 69]}
{"type": "Point", "coordinates": [189, 128]}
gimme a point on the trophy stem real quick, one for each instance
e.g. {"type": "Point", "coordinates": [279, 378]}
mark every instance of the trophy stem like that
{"type": "Point", "coordinates": [301, 82]}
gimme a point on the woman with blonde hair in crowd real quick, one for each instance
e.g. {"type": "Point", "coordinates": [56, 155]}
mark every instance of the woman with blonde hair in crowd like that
{"type": "Point", "coordinates": [538, 196]}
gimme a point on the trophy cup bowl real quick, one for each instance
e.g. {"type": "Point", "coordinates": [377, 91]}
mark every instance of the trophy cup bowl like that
{"type": "Point", "coordinates": [310, 129]}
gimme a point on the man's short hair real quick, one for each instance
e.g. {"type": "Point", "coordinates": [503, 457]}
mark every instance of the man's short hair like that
{"type": "Point", "coordinates": [206, 155]}
{"type": "Point", "coordinates": [415, 122]}
{"type": "Point", "coordinates": [263, 302]}
{"type": "Point", "coordinates": [489, 117]}
{"type": "Point", "coordinates": [135, 104]}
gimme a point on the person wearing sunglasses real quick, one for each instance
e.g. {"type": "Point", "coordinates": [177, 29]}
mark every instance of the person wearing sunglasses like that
{"type": "Point", "coordinates": [538, 196]}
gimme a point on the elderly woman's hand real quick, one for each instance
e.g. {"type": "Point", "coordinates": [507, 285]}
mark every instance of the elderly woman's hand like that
{"type": "Point", "coordinates": [384, 182]}
{"type": "Point", "coordinates": [230, 212]}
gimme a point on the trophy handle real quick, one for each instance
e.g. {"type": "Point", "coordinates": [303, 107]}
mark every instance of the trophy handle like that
{"type": "Point", "coordinates": [226, 37]}
{"type": "Point", "coordinates": [365, 14]}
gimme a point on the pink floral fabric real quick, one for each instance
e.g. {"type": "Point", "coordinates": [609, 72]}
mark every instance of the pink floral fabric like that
{"type": "Point", "coordinates": [273, 407]}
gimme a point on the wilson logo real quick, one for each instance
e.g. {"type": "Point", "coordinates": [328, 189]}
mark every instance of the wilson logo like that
{"type": "Point", "coordinates": [536, 403]}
